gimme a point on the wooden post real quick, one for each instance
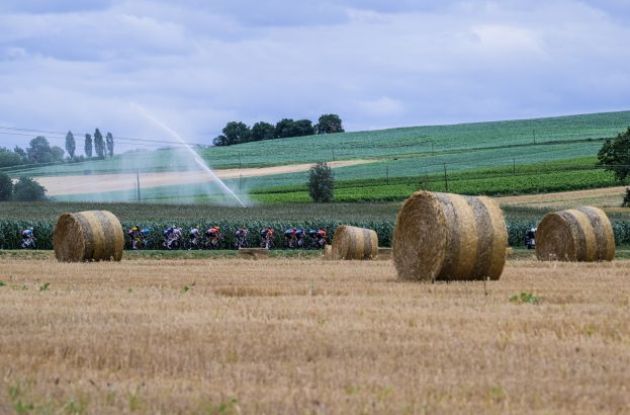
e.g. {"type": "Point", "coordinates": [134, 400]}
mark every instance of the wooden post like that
{"type": "Point", "coordinates": [514, 167]}
{"type": "Point", "coordinates": [445, 178]}
{"type": "Point", "coordinates": [139, 197]}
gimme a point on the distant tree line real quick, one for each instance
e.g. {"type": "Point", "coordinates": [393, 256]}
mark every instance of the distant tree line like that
{"type": "Point", "coordinates": [237, 132]}
{"type": "Point", "coordinates": [40, 151]}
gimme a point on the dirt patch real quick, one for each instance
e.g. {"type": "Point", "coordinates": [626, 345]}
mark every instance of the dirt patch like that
{"type": "Point", "coordinates": [80, 184]}
{"type": "Point", "coordinates": [602, 197]}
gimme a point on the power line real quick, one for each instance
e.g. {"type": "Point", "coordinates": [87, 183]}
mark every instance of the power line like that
{"type": "Point", "coordinates": [30, 131]}
{"type": "Point", "coordinates": [143, 144]}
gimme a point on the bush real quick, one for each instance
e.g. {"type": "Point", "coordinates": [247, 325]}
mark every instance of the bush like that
{"type": "Point", "coordinates": [6, 187]}
{"type": "Point", "coordinates": [27, 190]}
{"type": "Point", "coordinates": [321, 183]}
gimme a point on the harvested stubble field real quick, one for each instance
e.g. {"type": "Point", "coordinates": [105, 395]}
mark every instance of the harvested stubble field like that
{"type": "Point", "coordinates": [306, 336]}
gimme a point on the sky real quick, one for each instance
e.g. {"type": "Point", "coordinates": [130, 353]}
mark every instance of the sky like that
{"type": "Point", "coordinates": [195, 64]}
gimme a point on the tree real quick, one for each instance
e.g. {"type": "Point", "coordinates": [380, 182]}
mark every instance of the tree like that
{"type": "Point", "coordinates": [302, 128]}
{"type": "Point", "coordinates": [88, 146]}
{"type": "Point", "coordinates": [262, 131]}
{"type": "Point", "coordinates": [321, 183]}
{"type": "Point", "coordinates": [57, 153]}
{"type": "Point", "coordinates": [20, 152]}
{"type": "Point", "coordinates": [615, 156]}
{"type": "Point", "coordinates": [237, 132]}
{"type": "Point", "coordinates": [6, 187]}
{"type": "Point", "coordinates": [39, 151]}
{"type": "Point", "coordinates": [71, 145]}
{"type": "Point", "coordinates": [220, 140]}
{"type": "Point", "coordinates": [27, 189]}
{"type": "Point", "coordinates": [9, 158]}
{"type": "Point", "coordinates": [99, 144]}
{"type": "Point", "coordinates": [285, 128]}
{"type": "Point", "coordinates": [329, 124]}
{"type": "Point", "coordinates": [109, 140]}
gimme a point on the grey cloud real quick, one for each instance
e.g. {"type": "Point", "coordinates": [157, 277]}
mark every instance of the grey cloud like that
{"type": "Point", "coordinates": [91, 35]}
{"type": "Point", "coordinates": [55, 6]}
{"type": "Point", "coordinates": [199, 64]}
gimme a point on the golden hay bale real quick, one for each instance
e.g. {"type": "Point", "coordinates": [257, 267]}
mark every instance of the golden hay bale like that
{"type": "Point", "coordinates": [441, 236]}
{"type": "Point", "coordinates": [350, 242]}
{"type": "Point", "coordinates": [582, 234]}
{"type": "Point", "coordinates": [94, 235]}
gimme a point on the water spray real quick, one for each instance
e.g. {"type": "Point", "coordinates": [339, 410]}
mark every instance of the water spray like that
{"type": "Point", "coordinates": [198, 160]}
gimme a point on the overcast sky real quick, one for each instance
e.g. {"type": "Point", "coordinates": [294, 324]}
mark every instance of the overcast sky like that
{"type": "Point", "coordinates": [197, 64]}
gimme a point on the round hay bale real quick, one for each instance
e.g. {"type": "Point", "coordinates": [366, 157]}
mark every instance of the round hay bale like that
{"type": "Point", "coordinates": [581, 234]}
{"type": "Point", "coordinates": [94, 235]}
{"type": "Point", "coordinates": [441, 236]}
{"type": "Point", "coordinates": [350, 242]}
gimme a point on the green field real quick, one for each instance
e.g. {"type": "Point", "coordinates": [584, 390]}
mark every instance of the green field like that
{"type": "Point", "coordinates": [451, 144]}
{"type": "Point", "coordinates": [506, 157]}
{"type": "Point", "coordinates": [559, 175]}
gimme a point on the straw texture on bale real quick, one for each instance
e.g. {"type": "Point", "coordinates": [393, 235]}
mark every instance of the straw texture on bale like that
{"type": "Point", "coordinates": [441, 236]}
{"type": "Point", "coordinates": [94, 235]}
{"type": "Point", "coordinates": [350, 242]}
{"type": "Point", "coordinates": [582, 234]}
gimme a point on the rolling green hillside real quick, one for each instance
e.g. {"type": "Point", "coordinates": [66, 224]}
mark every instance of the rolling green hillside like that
{"type": "Point", "coordinates": [564, 137]}
{"type": "Point", "coordinates": [401, 159]}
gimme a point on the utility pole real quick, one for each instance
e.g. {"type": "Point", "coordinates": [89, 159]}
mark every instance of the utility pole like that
{"type": "Point", "coordinates": [534, 132]}
{"type": "Point", "coordinates": [139, 197]}
{"type": "Point", "coordinates": [514, 166]}
{"type": "Point", "coordinates": [333, 154]}
{"type": "Point", "coordinates": [445, 178]}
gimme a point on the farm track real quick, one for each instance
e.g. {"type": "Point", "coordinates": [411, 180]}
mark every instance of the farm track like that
{"type": "Point", "coordinates": [80, 184]}
{"type": "Point", "coordinates": [601, 197]}
{"type": "Point", "coordinates": [307, 336]}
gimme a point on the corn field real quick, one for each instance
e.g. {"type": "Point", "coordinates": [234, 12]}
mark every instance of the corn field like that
{"type": "Point", "coordinates": [10, 230]}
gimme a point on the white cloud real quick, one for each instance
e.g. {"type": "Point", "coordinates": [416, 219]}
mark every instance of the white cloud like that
{"type": "Point", "coordinates": [507, 39]}
{"type": "Point", "coordinates": [381, 107]}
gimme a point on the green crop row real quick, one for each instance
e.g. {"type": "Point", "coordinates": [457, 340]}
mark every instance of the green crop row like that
{"type": "Point", "coordinates": [10, 231]}
{"type": "Point", "coordinates": [400, 189]}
